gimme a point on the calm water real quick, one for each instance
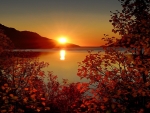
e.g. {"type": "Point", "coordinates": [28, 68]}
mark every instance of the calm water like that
{"type": "Point", "coordinates": [64, 62]}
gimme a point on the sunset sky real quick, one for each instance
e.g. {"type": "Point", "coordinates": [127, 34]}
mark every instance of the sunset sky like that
{"type": "Point", "coordinates": [83, 22]}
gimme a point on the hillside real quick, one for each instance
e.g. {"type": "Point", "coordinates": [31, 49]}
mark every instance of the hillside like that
{"type": "Point", "coordinates": [30, 40]}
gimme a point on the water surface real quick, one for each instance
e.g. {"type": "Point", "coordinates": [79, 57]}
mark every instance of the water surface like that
{"type": "Point", "coordinates": [64, 62]}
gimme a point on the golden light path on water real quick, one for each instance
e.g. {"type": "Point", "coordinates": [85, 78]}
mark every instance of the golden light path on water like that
{"type": "Point", "coordinates": [62, 54]}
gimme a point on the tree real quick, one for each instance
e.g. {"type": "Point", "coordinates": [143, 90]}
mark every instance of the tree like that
{"type": "Point", "coordinates": [116, 84]}
{"type": "Point", "coordinates": [24, 85]}
{"type": "Point", "coordinates": [65, 97]}
{"type": "Point", "coordinates": [133, 24]}
{"type": "Point", "coordinates": [5, 42]}
{"type": "Point", "coordinates": [119, 83]}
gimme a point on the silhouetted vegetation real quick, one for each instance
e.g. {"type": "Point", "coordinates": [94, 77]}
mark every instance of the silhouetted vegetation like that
{"type": "Point", "coordinates": [121, 84]}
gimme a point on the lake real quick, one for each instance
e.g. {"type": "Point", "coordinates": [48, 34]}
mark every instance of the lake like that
{"type": "Point", "coordinates": [64, 62]}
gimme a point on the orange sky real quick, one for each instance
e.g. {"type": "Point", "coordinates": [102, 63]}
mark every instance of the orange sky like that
{"type": "Point", "coordinates": [82, 22]}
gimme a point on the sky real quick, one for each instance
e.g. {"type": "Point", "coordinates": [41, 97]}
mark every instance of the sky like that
{"type": "Point", "coordinates": [82, 22]}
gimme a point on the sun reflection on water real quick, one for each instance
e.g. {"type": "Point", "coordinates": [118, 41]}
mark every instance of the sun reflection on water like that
{"type": "Point", "coordinates": [62, 54]}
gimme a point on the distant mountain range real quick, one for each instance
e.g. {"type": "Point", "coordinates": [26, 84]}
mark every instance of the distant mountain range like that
{"type": "Point", "coordinates": [31, 40]}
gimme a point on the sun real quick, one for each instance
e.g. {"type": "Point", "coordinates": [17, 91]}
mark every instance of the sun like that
{"type": "Point", "coordinates": [62, 40]}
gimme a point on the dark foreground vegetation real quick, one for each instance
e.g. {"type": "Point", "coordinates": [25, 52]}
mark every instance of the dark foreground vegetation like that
{"type": "Point", "coordinates": [117, 83]}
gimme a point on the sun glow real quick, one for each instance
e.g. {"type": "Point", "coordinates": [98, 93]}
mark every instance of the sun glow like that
{"type": "Point", "coordinates": [62, 54]}
{"type": "Point", "coordinates": [62, 40]}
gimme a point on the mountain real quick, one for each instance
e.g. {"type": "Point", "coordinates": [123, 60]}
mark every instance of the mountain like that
{"type": "Point", "coordinates": [31, 40]}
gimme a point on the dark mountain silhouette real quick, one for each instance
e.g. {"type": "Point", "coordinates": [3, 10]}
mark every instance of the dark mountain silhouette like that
{"type": "Point", "coordinates": [31, 40]}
